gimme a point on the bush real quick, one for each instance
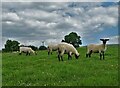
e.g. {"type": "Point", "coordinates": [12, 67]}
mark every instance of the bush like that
{"type": "Point", "coordinates": [42, 48]}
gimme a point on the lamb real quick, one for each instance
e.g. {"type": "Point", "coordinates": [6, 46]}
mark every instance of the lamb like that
{"type": "Point", "coordinates": [101, 48]}
{"type": "Point", "coordinates": [52, 47]}
{"type": "Point", "coordinates": [67, 48]}
{"type": "Point", "coordinates": [27, 50]}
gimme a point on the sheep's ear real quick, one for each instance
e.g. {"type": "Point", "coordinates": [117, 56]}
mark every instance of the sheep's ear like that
{"type": "Point", "coordinates": [107, 39]}
{"type": "Point", "coordinates": [102, 39]}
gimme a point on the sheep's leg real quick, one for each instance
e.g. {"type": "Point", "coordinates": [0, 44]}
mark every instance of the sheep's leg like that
{"type": "Point", "coordinates": [58, 57]}
{"type": "Point", "coordinates": [103, 56]}
{"type": "Point", "coordinates": [26, 53]}
{"type": "Point", "coordinates": [61, 54]}
{"type": "Point", "coordinates": [69, 55]}
{"type": "Point", "coordinates": [90, 53]}
{"type": "Point", "coordinates": [48, 52]}
{"type": "Point", "coordinates": [20, 53]}
{"type": "Point", "coordinates": [35, 53]}
{"type": "Point", "coordinates": [51, 51]}
{"type": "Point", "coordinates": [61, 58]}
{"type": "Point", "coordinates": [86, 55]}
{"type": "Point", "coordinates": [29, 53]}
{"type": "Point", "coordinates": [100, 55]}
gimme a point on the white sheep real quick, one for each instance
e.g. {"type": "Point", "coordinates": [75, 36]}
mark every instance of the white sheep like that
{"type": "Point", "coordinates": [67, 48]}
{"type": "Point", "coordinates": [93, 48]}
{"type": "Point", "coordinates": [26, 50]}
{"type": "Point", "coordinates": [52, 47]}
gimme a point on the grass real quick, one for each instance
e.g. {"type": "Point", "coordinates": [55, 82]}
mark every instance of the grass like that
{"type": "Point", "coordinates": [44, 70]}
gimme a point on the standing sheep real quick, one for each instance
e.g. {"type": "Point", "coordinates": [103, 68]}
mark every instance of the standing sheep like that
{"type": "Point", "coordinates": [27, 50]}
{"type": "Point", "coordinates": [67, 48]}
{"type": "Point", "coordinates": [101, 48]}
{"type": "Point", "coordinates": [52, 47]}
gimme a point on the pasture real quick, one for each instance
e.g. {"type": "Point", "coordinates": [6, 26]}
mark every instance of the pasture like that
{"type": "Point", "coordinates": [44, 70]}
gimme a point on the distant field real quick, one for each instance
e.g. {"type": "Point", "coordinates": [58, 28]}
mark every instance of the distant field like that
{"type": "Point", "coordinates": [44, 70]}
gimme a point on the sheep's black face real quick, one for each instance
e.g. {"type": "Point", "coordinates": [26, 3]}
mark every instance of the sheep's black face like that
{"type": "Point", "coordinates": [104, 40]}
{"type": "Point", "coordinates": [35, 53]}
{"type": "Point", "coordinates": [76, 56]}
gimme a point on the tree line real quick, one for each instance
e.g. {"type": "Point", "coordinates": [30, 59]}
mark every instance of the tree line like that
{"type": "Point", "coordinates": [13, 45]}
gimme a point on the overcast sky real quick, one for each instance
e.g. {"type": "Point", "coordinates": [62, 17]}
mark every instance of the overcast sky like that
{"type": "Point", "coordinates": [30, 23]}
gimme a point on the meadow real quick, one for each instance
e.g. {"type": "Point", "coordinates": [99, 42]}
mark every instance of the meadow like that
{"type": "Point", "coordinates": [44, 70]}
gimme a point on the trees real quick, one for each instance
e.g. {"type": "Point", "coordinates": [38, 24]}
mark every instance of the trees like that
{"type": "Point", "coordinates": [14, 46]}
{"type": "Point", "coordinates": [43, 47]}
{"type": "Point", "coordinates": [33, 47]}
{"type": "Point", "coordinates": [11, 45]}
{"type": "Point", "coordinates": [73, 39]}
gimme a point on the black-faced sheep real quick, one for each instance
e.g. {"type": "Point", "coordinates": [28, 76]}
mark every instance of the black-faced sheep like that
{"type": "Point", "coordinates": [26, 50]}
{"type": "Point", "coordinates": [67, 48]}
{"type": "Point", "coordinates": [93, 48]}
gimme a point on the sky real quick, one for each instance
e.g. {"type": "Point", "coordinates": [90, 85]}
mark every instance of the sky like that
{"type": "Point", "coordinates": [30, 23]}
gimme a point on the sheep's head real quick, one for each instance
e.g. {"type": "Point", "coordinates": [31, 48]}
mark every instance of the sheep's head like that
{"type": "Point", "coordinates": [77, 56]}
{"type": "Point", "coordinates": [104, 40]}
{"type": "Point", "coordinates": [35, 53]}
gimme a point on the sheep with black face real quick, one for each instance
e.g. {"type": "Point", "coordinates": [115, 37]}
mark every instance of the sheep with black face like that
{"type": "Point", "coordinates": [101, 48]}
{"type": "Point", "coordinates": [27, 50]}
{"type": "Point", "coordinates": [67, 48]}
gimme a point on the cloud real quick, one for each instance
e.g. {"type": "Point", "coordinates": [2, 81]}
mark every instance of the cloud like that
{"type": "Point", "coordinates": [10, 16]}
{"type": "Point", "coordinates": [61, 1]}
{"type": "Point", "coordinates": [114, 40]}
{"type": "Point", "coordinates": [34, 22]}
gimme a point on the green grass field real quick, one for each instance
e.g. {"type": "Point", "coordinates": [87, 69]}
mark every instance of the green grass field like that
{"type": "Point", "coordinates": [44, 70]}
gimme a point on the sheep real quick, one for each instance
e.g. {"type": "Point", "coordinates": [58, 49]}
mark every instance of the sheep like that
{"type": "Point", "coordinates": [67, 48]}
{"type": "Point", "coordinates": [52, 47]}
{"type": "Point", "coordinates": [27, 50]}
{"type": "Point", "coordinates": [101, 48]}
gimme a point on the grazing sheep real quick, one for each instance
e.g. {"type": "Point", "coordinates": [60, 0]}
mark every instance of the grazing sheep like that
{"type": "Point", "coordinates": [101, 48]}
{"type": "Point", "coordinates": [52, 47]}
{"type": "Point", "coordinates": [26, 50]}
{"type": "Point", "coordinates": [67, 48]}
